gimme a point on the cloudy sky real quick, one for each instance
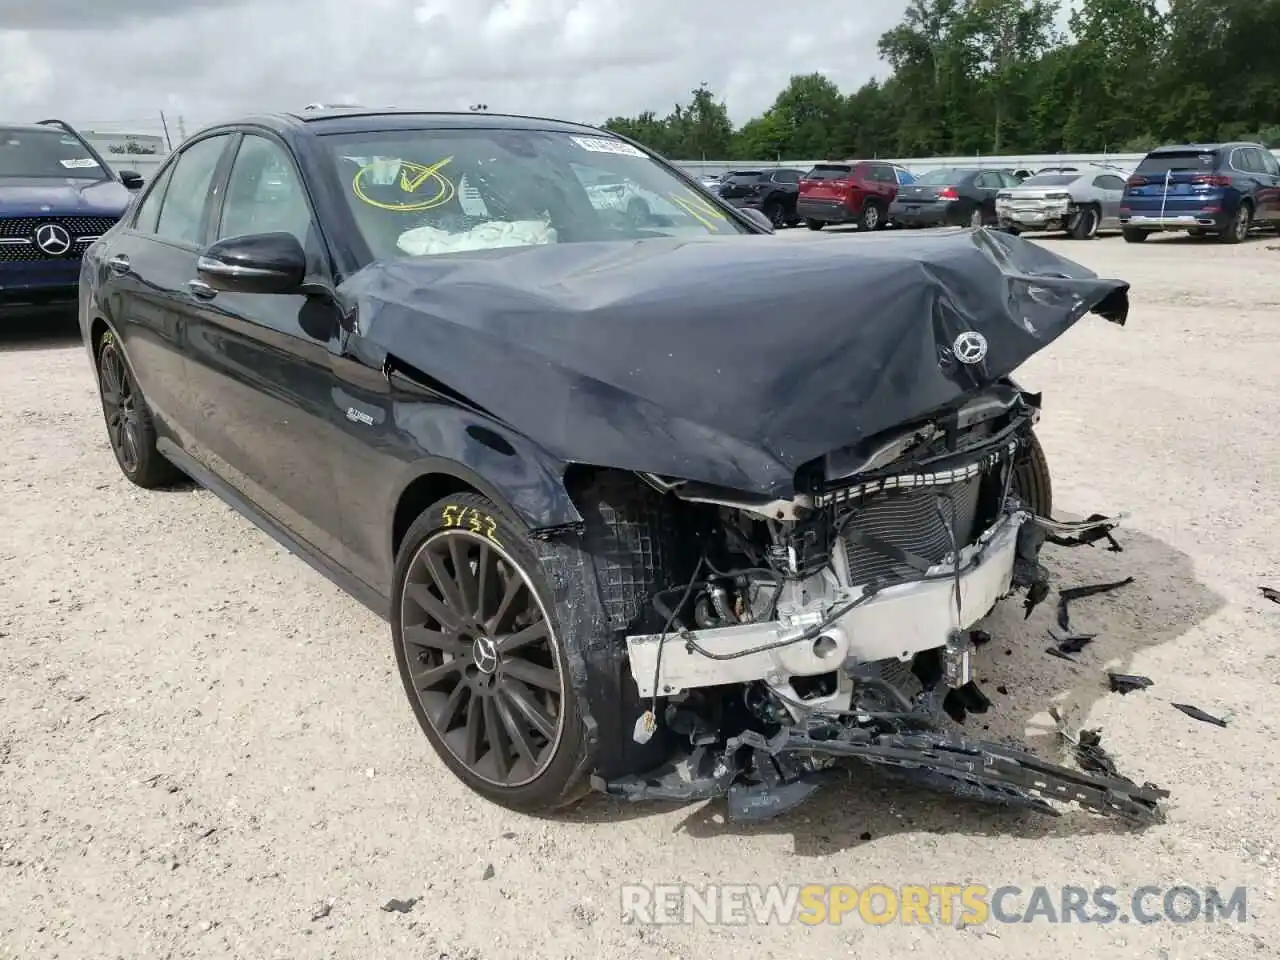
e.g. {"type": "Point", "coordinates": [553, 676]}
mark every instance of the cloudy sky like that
{"type": "Point", "coordinates": [124, 61]}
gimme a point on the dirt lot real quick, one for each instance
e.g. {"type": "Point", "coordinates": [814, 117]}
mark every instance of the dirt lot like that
{"type": "Point", "coordinates": [205, 750]}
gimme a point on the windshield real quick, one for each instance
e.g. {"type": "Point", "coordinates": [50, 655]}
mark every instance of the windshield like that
{"type": "Point", "coordinates": [423, 192]}
{"type": "Point", "coordinates": [1180, 162]}
{"type": "Point", "coordinates": [1051, 179]}
{"type": "Point", "coordinates": [944, 175]}
{"type": "Point", "coordinates": [45, 153]}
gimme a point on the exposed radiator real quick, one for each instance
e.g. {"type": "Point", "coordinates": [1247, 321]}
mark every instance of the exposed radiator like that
{"type": "Point", "coordinates": [909, 520]}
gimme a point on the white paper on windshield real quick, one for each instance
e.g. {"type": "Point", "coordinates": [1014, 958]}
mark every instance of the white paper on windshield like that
{"type": "Point", "coordinates": [79, 164]}
{"type": "Point", "coordinates": [607, 145]}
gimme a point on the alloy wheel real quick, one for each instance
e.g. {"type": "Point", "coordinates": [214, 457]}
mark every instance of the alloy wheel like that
{"type": "Point", "coordinates": [871, 217]}
{"type": "Point", "coordinates": [975, 219]}
{"type": "Point", "coordinates": [120, 406]}
{"type": "Point", "coordinates": [777, 216]}
{"type": "Point", "coordinates": [483, 658]}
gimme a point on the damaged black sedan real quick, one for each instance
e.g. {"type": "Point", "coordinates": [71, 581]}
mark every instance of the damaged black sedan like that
{"type": "Point", "coordinates": [655, 503]}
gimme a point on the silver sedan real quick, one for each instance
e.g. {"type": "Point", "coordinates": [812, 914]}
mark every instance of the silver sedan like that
{"type": "Point", "coordinates": [1079, 200]}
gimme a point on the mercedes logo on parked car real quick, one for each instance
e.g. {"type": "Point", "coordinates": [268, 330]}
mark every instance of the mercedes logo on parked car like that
{"type": "Point", "coordinates": [53, 239]}
{"type": "Point", "coordinates": [970, 347]}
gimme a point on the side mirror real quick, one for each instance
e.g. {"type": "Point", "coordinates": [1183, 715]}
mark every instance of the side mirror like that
{"type": "Point", "coordinates": [132, 179]}
{"type": "Point", "coordinates": [758, 218]}
{"type": "Point", "coordinates": [257, 263]}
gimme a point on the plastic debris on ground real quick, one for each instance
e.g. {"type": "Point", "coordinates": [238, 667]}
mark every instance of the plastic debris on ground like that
{"type": "Point", "coordinates": [1079, 593]}
{"type": "Point", "coordinates": [1128, 682]}
{"type": "Point", "coordinates": [1197, 714]}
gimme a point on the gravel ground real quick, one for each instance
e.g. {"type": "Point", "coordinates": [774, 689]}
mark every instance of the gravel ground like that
{"type": "Point", "coordinates": [205, 750]}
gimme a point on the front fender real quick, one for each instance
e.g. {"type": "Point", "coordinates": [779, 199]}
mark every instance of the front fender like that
{"type": "Point", "coordinates": [454, 443]}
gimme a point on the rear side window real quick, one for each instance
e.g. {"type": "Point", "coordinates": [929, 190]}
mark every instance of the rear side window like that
{"type": "Point", "coordinates": [1178, 161]}
{"type": "Point", "coordinates": [744, 176]}
{"type": "Point", "coordinates": [943, 175]}
{"type": "Point", "coordinates": [149, 212]}
{"type": "Point", "coordinates": [1050, 180]}
{"type": "Point", "coordinates": [785, 176]}
{"type": "Point", "coordinates": [1108, 181]}
{"type": "Point", "coordinates": [183, 210]}
{"type": "Point", "coordinates": [1269, 163]}
{"type": "Point", "coordinates": [829, 171]}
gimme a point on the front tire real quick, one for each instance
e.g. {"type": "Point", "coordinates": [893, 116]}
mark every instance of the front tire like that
{"type": "Point", "coordinates": [815, 224]}
{"type": "Point", "coordinates": [776, 214]}
{"type": "Point", "coordinates": [1132, 235]}
{"type": "Point", "coordinates": [871, 218]}
{"type": "Point", "coordinates": [478, 643]}
{"type": "Point", "coordinates": [1031, 481]}
{"type": "Point", "coordinates": [130, 428]}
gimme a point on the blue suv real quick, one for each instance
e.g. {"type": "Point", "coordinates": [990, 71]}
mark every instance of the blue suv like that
{"type": "Point", "coordinates": [1222, 189]}
{"type": "Point", "coordinates": [57, 196]}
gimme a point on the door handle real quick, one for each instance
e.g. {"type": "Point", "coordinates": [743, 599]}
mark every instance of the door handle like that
{"type": "Point", "coordinates": [119, 265]}
{"type": "Point", "coordinates": [201, 289]}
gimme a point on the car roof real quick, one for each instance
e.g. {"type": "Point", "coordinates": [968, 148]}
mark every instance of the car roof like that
{"type": "Point", "coordinates": [1192, 148]}
{"type": "Point", "coordinates": [358, 119]}
{"type": "Point", "coordinates": [30, 128]}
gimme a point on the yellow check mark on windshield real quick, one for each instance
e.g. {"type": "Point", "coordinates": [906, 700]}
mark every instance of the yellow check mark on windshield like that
{"type": "Point", "coordinates": [410, 184]}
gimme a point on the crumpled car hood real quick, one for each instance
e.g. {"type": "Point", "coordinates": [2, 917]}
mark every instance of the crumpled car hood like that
{"type": "Point", "coordinates": [730, 361]}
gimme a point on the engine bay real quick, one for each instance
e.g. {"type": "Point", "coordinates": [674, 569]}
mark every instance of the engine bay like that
{"type": "Point", "coordinates": [838, 623]}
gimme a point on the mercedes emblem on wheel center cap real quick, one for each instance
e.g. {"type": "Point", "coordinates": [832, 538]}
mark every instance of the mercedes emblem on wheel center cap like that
{"type": "Point", "coordinates": [485, 653]}
{"type": "Point", "coordinates": [970, 347]}
{"type": "Point", "coordinates": [53, 239]}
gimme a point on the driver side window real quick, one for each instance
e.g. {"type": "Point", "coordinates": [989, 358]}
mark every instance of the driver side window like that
{"type": "Point", "coordinates": [264, 194]}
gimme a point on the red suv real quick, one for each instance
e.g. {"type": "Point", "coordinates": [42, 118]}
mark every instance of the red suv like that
{"type": "Point", "coordinates": [856, 191]}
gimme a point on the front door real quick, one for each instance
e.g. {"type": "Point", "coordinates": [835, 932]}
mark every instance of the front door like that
{"type": "Point", "coordinates": [259, 364]}
{"type": "Point", "coordinates": [150, 262]}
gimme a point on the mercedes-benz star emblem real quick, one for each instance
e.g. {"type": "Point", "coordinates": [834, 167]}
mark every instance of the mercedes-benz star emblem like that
{"type": "Point", "coordinates": [53, 239]}
{"type": "Point", "coordinates": [970, 347]}
{"type": "Point", "coordinates": [486, 654]}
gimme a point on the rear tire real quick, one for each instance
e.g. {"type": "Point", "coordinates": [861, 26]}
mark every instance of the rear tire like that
{"type": "Point", "coordinates": [130, 428]}
{"type": "Point", "coordinates": [815, 224]}
{"type": "Point", "coordinates": [1132, 235]}
{"type": "Point", "coordinates": [1031, 481]}
{"type": "Point", "coordinates": [1238, 229]}
{"type": "Point", "coordinates": [1085, 224]}
{"type": "Point", "coordinates": [776, 214]}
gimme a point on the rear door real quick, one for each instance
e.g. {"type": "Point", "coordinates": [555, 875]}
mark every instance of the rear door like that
{"type": "Point", "coordinates": [1176, 183]}
{"type": "Point", "coordinates": [269, 416]}
{"type": "Point", "coordinates": [1110, 190]}
{"type": "Point", "coordinates": [150, 263]}
{"type": "Point", "coordinates": [986, 184]}
{"type": "Point", "coordinates": [1250, 164]}
{"type": "Point", "coordinates": [1272, 172]}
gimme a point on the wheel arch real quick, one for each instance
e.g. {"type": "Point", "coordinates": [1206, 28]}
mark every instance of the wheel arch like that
{"type": "Point", "coordinates": [540, 501]}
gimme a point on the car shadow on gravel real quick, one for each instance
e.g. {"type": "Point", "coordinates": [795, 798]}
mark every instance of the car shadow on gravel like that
{"type": "Point", "coordinates": [1164, 601]}
{"type": "Point", "coordinates": [52, 331]}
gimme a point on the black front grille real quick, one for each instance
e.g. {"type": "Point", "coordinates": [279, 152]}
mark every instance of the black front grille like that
{"type": "Point", "coordinates": [25, 227]}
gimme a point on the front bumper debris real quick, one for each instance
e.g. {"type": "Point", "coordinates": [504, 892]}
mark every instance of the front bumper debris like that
{"type": "Point", "coordinates": [779, 773]}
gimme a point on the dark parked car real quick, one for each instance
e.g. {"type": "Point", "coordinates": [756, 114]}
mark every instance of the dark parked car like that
{"type": "Point", "coordinates": [57, 196]}
{"type": "Point", "coordinates": [618, 515]}
{"type": "Point", "coordinates": [772, 192]}
{"type": "Point", "coordinates": [951, 196]}
{"type": "Point", "coordinates": [855, 191]}
{"type": "Point", "coordinates": [1221, 189]}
